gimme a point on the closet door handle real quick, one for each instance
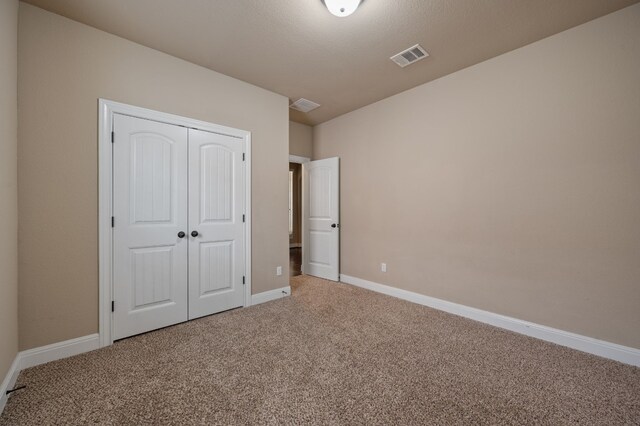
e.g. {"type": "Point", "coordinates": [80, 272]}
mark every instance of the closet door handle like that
{"type": "Point", "coordinates": [194, 233]}
{"type": "Point", "coordinates": [181, 234]}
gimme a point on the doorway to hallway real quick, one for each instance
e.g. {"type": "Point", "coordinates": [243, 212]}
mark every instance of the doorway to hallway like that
{"type": "Point", "coordinates": [295, 219]}
{"type": "Point", "coordinates": [314, 216]}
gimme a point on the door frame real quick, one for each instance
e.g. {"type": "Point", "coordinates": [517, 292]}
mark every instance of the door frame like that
{"type": "Point", "coordinates": [301, 160]}
{"type": "Point", "coordinates": [106, 111]}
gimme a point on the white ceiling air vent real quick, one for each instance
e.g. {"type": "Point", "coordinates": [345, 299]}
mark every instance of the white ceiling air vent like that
{"type": "Point", "coordinates": [409, 56]}
{"type": "Point", "coordinates": [304, 105]}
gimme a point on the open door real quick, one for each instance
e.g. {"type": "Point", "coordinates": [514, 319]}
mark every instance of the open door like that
{"type": "Point", "coordinates": [321, 218]}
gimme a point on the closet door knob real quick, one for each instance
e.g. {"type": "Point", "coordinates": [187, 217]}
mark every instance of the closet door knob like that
{"type": "Point", "coordinates": [194, 233]}
{"type": "Point", "coordinates": [181, 234]}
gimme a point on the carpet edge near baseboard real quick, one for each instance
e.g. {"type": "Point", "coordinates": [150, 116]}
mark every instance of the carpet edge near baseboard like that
{"type": "Point", "coordinates": [267, 296]}
{"type": "Point", "coordinates": [602, 348]}
{"type": "Point", "coordinates": [9, 381]}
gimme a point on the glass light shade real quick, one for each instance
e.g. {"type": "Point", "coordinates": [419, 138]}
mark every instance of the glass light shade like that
{"type": "Point", "coordinates": [342, 8]}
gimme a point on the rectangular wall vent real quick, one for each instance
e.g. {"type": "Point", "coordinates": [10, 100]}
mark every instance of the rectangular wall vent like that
{"type": "Point", "coordinates": [304, 105]}
{"type": "Point", "coordinates": [409, 56]}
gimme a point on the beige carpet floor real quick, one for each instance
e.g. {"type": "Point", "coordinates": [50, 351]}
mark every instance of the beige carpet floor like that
{"type": "Point", "coordinates": [329, 354]}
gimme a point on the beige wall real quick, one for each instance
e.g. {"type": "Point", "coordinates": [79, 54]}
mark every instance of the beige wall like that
{"type": "Point", "coordinates": [511, 186]}
{"type": "Point", "coordinates": [8, 184]}
{"type": "Point", "coordinates": [64, 68]}
{"type": "Point", "coordinates": [300, 139]}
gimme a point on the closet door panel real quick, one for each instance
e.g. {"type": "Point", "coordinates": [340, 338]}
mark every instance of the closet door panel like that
{"type": "Point", "coordinates": [216, 227]}
{"type": "Point", "coordinates": [149, 210]}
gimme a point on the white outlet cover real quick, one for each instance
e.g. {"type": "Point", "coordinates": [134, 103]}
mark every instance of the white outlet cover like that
{"type": "Point", "coordinates": [383, 267]}
{"type": "Point", "coordinates": [279, 270]}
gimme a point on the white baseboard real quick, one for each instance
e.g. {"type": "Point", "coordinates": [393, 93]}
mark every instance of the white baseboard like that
{"type": "Point", "coordinates": [42, 355]}
{"type": "Point", "coordinates": [9, 381]}
{"type": "Point", "coordinates": [55, 351]}
{"type": "Point", "coordinates": [270, 295]}
{"type": "Point", "coordinates": [590, 345]}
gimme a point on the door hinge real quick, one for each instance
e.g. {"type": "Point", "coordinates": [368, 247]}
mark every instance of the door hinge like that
{"type": "Point", "coordinates": [243, 156]}
{"type": "Point", "coordinates": [243, 280]}
{"type": "Point", "coordinates": [113, 306]}
{"type": "Point", "coordinates": [113, 137]}
{"type": "Point", "coordinates": [243, 218]}
{"type": "Point", "coordinates": [113, 221]}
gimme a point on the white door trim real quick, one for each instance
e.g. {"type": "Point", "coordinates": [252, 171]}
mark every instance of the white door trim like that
{"type": "Point", "coordinates": [299, 160]}
{"type": "Point", "coordinates": [106, 111]}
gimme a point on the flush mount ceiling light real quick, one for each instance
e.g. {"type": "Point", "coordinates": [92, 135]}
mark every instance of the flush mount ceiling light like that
{"type": "Point", "coordinates": [342, 8]}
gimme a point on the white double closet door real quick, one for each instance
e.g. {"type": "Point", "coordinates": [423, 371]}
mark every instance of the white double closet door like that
{"type": "Point", "coordinates": [179, 231]}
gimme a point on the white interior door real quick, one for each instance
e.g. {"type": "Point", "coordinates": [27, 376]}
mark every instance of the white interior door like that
{"type": "Point", "coordinates": [321, 215]}
{"type": "Point", "coordinates": [216, 223]}
{"type": "Point", "coordinates": [149, 211]}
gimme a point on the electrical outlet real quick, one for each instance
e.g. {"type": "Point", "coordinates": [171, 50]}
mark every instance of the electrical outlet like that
{"type": "Point", "coordinates": [383, 267]}
{"type": "Point", "coordinates": [279, 270]}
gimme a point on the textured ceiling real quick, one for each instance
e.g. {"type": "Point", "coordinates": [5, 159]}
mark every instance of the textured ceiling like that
{"type": "Point", "coordinates": [296, 48]}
